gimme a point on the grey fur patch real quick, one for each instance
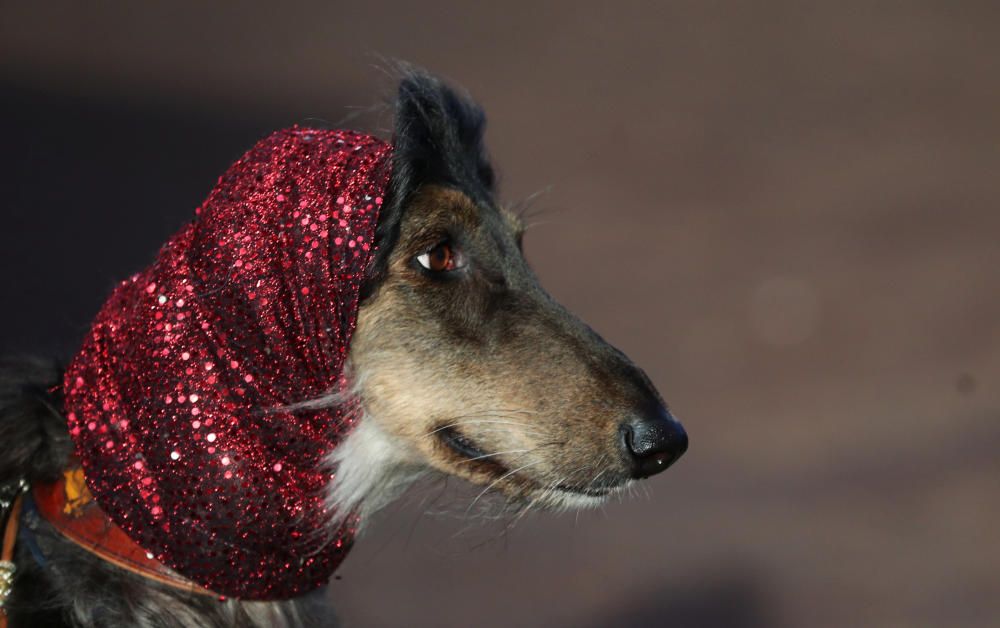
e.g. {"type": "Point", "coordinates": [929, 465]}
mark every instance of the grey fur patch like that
{"type": "Point", "coordinates": [370, 471]}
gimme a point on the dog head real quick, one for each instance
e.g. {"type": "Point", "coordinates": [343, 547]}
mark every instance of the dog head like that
{"type": "Point", "coordinates": [462, 362]}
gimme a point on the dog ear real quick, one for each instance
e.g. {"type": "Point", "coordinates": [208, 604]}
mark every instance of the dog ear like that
{"type": "Point", "coordinates": [439, 137]}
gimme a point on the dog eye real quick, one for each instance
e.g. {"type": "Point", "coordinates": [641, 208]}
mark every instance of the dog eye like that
{"type": "Point", "coordinates": [442, 258]}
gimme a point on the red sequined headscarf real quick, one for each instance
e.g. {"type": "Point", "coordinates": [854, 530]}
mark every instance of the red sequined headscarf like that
{"type": "Point", "coordinates": [181, 401]}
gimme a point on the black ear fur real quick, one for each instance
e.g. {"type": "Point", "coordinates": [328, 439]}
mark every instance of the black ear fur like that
{"type": "Point", "coordinates": [438, 139]}
{"type": "Point", "coordinates": [36, 443]}
{"type": "Point", "coordinates": [439, 136]}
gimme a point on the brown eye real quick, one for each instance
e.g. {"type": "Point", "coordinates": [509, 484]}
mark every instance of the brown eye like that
{"type": "Point", "coordinates": [441, 258]}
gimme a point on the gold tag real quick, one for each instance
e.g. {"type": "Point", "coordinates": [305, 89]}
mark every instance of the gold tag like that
{"type": "Point", "coordinates": [77, 493]}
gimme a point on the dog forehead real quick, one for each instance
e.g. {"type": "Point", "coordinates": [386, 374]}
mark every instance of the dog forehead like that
{"type": "Point", "coordinates": [444, 204]}
{"type": "Point", "coordinates": [437, 212]}
{"type": "Point", "coordinates": [442, 207]}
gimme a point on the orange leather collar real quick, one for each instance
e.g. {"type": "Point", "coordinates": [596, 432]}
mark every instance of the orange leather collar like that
{"type": "Point", "coordinates": [68, 505]}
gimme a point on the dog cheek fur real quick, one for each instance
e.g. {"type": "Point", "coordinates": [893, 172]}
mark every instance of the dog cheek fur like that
{"type": "Point", "coordinates": [401, 397]}
{"type": "Point", "coordinates": [382, 455]}
{"type": "Point", "coordinates": [370, 470]}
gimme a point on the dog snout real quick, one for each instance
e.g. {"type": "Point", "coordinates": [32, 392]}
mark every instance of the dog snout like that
{"type": "Point", "coordinates": [652, 441]}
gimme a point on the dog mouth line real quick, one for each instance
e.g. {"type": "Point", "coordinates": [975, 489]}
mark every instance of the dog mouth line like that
{"type": "Point", "coordinates": [470, 453]}
{"type": "Point", "coordinates": [473, 454]}
{"type": "Point", "coordinates": [590, 492]}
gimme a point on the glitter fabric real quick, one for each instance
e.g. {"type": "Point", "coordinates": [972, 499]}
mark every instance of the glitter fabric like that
{"type": "Point", "coordinates": [179, 400]}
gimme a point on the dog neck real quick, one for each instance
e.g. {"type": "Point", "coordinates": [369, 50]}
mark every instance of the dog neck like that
{"type": "Point", "coordinates": [70, 508]}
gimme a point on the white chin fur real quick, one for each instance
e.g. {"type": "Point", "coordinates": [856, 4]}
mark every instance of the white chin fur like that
{"type": "Point", "coordinates": [562, 500]}
{"type": "Point", "coordinates": [565, 500]}
{"type": "Point", "coordinates": [369, 471]}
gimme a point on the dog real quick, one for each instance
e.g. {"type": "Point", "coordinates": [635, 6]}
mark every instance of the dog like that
{"type": "Point", "coordinates": [460, 364]}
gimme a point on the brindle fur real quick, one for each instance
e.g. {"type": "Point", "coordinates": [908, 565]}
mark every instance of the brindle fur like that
{"type": "Point", "coordinates": [523, 381]}
{"type": "Point", "coordinates": [479, 374]}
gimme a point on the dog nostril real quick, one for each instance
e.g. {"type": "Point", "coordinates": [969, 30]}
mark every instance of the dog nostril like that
{"type": "Point", "coordinates": [653, 442]}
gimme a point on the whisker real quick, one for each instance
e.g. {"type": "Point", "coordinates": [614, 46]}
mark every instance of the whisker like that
{"type": "Point", "coordinates": [500, 479]}
{"type": "Point", "coordinates": [479, 421]}
{"type": "Point", "coordinates": [489, 430]}
{"type": "Point", "coordinates": [500, 453]}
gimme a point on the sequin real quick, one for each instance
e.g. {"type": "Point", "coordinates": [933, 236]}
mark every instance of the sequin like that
{"type": "Point", "coordinates": [245, 312]}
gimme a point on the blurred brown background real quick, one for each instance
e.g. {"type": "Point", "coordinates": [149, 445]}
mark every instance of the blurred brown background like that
{"type": "Point", "coordinates": [786, 212]}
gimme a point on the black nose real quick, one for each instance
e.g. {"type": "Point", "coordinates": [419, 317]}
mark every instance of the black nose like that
{"type": "Point", "coordinates": [653, 441]}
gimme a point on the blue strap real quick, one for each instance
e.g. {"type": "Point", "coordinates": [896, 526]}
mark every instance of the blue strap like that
{"type": "Point", "coordinates": [25, 533]}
